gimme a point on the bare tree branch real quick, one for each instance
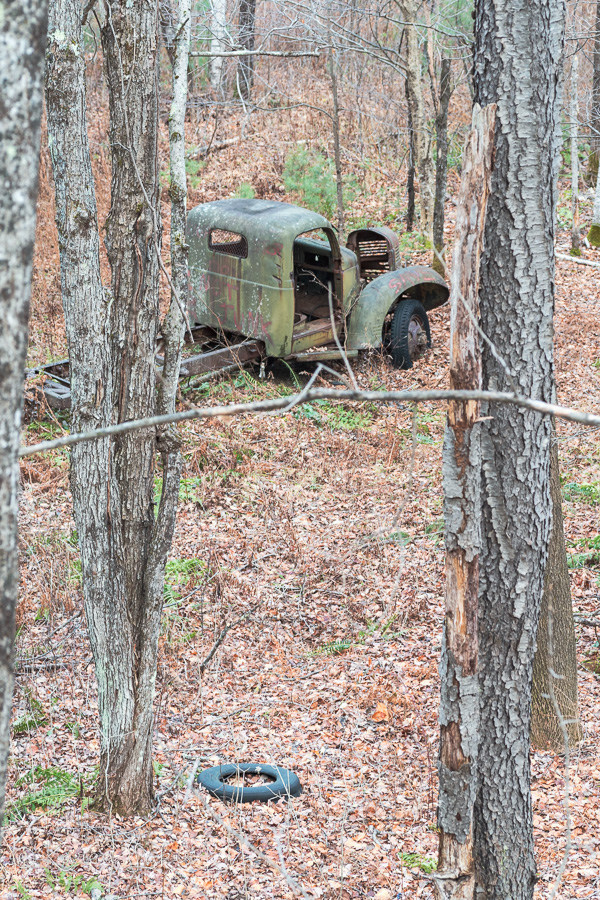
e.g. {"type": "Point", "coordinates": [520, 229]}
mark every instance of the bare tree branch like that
{"type": "Point", "coordinates": [284, 403]}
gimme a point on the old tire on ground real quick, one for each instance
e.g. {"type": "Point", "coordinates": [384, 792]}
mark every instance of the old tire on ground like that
{"type": "Point", "coordinates": [409, 334]}
{"type": "Point", "coordinates": [284, 784]}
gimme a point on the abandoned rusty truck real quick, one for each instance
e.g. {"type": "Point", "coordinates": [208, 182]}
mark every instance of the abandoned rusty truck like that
{"type": "Point", "coordinates": [270, 280]}
{"type": "Point", "coordinates": [273, 280]}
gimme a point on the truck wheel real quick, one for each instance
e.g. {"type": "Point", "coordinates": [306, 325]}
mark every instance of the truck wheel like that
{"type": "Point", "coordinates": [410, 335]}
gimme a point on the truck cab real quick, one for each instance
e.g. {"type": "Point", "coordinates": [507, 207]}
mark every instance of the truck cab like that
{"type": "Point", "coordinates": [268, 271]}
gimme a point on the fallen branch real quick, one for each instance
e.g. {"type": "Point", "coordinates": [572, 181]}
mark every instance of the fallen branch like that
{"type": "Point", "coordinates": [285, 404]}
{"type": "Point", "coordinates": [590, 622]}
{"type": "Point", "coordinates": [216, 145]}
{"type": "Point", "coordinates": [223, 635]}
{"type": "Point", "coordinates": [576, 259]}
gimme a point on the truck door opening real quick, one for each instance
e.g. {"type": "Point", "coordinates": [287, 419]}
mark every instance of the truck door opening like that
{"type": "Point", "coordinates": [317, 268]}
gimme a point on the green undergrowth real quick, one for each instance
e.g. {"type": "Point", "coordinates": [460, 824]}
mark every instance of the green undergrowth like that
{"type": "Point", "coordinates": [311, 176]}
{"type": "Point", "coordinates": [335, 416]}
{"type": "Point", "coordinates": [47, 789]}
{"type": "Point", "coordinates": [35, 718]}
{"type": "Point", "coordinates": [594, 235]}
{"type": "Point", "coordinates": [435, 531]}
{"type": "Point", "coordinates": [69, 882]}
{"type": "Point", "coordinates": [416, 861]}
{"type": "Point", "coordinates": [245, 191]}
{"type": "Point", "coordinates": [383, 630]}
{"type": "Point", "coordinates": [581, 493]}
{"type": "Point", "coordinates": [587, 555]}
{"type": "Point", "coordinates": [182, 575]}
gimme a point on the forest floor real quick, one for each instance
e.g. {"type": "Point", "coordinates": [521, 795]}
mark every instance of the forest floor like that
{"type": "Point", "coordinates": [324, 528]}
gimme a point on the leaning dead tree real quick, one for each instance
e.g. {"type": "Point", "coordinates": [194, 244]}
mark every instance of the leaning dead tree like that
{"type": "Point", "coordinates": [112, 339]}
{"type": "Point", "coordinates": [459, 704]}
{"type": "Point", "coordinates": [22, 47]}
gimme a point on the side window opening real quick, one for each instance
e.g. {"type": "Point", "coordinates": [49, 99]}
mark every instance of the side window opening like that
{"type": "Point", "coordinates": [229, 242]}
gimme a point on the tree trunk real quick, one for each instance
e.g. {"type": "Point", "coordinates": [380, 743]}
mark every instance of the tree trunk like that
{"type": "Point", "coordinates": [422, 140]}
{"type": "Point", "coordinates": [592, 171]}
{"type": "Point", "coordinates": [561, 658]}
{"type": "Point", "coordinates": [594, 232]}
{"type": "Point", "coordinates": [574, 116]}
{"type": "Point", "coordinates": [22, 46]}
{"type": "Point", "coordinates": [217, 44]}
{"type": "Point", "coordinates": [410, 183]}
{"type": "Point", "coordinates": [441, 167]}
{"type": "Point", "coordinates": [173, 325]}
{"type": "Point", "coordinates": [459, 705]}
{"type": "Point", "coordinates": [247, 34]}
{"type": "Point", "coordinates": [112, 338]}
{"type": "Point", "coordinates": [518, 52]}
{"type": "Point", "coordinates": [335, 122]}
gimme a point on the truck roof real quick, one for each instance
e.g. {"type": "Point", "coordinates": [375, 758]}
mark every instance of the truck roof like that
{"type": "Point", "coordinates": [259, 219]}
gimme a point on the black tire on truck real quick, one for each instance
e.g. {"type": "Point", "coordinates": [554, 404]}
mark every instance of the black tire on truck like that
{"type": "Point", "coordinates": [409, 335]}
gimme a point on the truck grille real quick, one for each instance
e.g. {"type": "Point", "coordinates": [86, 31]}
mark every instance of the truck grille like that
{"type": "Point", "coordinates": [374, 257]}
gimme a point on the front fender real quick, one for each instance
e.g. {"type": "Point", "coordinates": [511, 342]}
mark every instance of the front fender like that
{"type": "Point", "coordinates": [365, 321]}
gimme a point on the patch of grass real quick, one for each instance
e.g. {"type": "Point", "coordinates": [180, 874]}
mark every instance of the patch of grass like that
{"type": "Point", "coordinates": [592, 664]}
{"type": "Point", "coordinates": [415, 861]}
{"type": "Point", "coordinates": [74, 577]}
{"type": "Point", "coordinates": [588, 556]}
{"type": "Point", "coordinates": [414, 242]}
{"type": "Point", "coordinates": [399, 537]}
{"type": "Point", "coordinates": [245, 191]}
{"type": "Point", "coordinates": [35, 718]}
{"type": "Point", "coordinates": [190, 489]}
{"type": "Point", "coordinates": [180, 574]}
{"type": "Point", "coordinates": [435, 530]}
{"type": "Point", "coordinates": [335, 416]}
{"type": "Point", "coordinates": [50, 789]}
{"type": "Point", "coordinates": [70, 882]}
{"type": "Point", "coordinates": [332, 648]}
{"type": "Point", "coordinates": [340, 418]}
{"type": "Point", "coordinates": [310, 411]}
{"type": "Point", "coordinates": [581, 493]}
{"type": "Point", "coordinates": [193, 167]}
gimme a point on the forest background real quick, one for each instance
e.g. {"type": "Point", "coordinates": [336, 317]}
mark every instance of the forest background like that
{"type": "Point", "coordinates": [342, 666]}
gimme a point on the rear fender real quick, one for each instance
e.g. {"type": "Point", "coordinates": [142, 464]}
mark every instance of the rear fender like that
{"type": "Point", "coordinates": [380, 296]}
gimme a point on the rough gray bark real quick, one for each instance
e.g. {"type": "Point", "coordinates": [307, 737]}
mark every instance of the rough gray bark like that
{"type": "Point", "coordinates": [112, 336]}
{"type": "Point", "coordinates": [518, 50]}
{"type": "Point", "coordinates": [441, 166]}
{"type": "Point", "coordinates": [22, 44]}
{"type": "Point", "coordinates": [247, 37]}
{"type": "Point", "coordinates": [546, 730]}
{"type": "Point", "coordinates": [461, 466]}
